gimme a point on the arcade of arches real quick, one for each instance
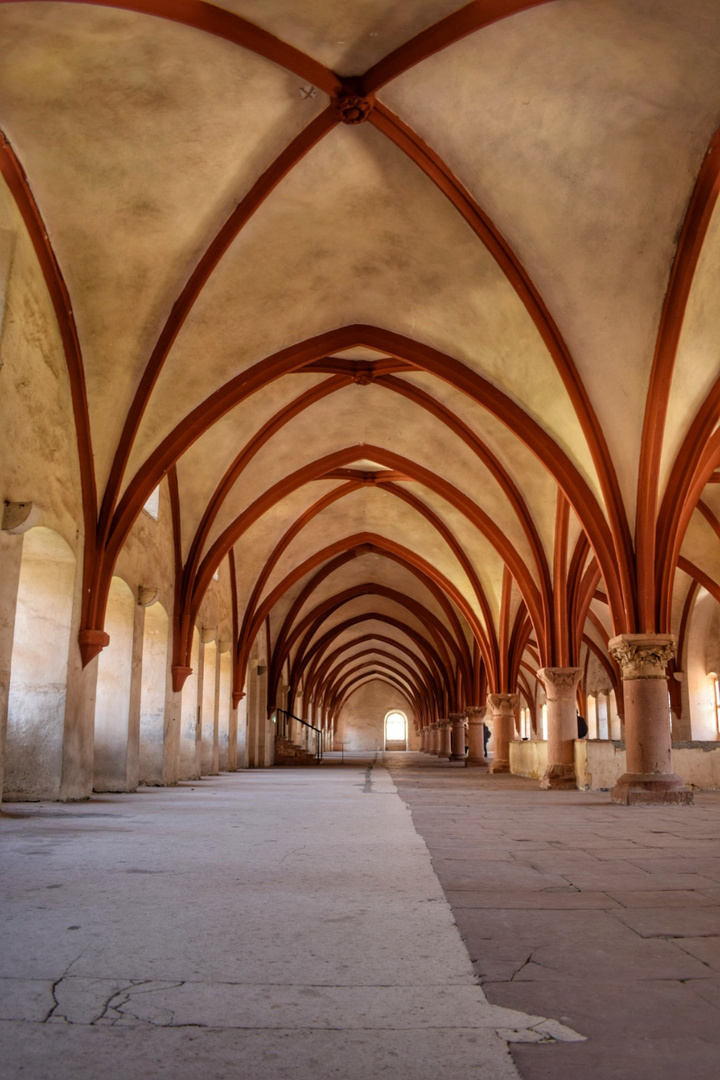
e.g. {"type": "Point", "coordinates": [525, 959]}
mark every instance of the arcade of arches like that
{"type": "Point", "coordinates": [349, 348]}
{"type": "Point", "coordinates": [360, 361]}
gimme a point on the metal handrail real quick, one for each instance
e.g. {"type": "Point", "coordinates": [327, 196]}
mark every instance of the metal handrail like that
{"type": "Point", "coordinates": [291, 716]}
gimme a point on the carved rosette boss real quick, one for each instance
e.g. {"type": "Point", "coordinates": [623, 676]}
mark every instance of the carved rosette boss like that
{"type": "Point", "coordinates": [352, 108]}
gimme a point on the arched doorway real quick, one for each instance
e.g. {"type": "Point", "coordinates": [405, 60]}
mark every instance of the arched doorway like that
{"type": "Point", "coordinates": [395, 730]}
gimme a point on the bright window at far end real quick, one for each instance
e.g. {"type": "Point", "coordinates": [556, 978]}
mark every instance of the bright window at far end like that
{"type": "Point", "coordinates": [152, 506]}
{"type": "Point", "coordinates": [395, 727]}
{"type": "Point", "coordinates": [716, 681]}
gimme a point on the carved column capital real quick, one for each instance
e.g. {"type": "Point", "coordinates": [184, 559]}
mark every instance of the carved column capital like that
{"type": "Point", "coordinates": [560, 683]}
{"type": "Point", "coordinates": [643, 656]}
{"type": "Point", "coordinates": [503, 703]}
{"type": "Point", "coordinates": [454, 717]}
{"type": "Point", "coordinates": [476, 713]}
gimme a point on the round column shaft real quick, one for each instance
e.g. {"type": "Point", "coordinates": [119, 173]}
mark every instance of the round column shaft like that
{"type": "Point", "coordinates": [649, 777]}
{"type": "Point", "coordinates": [503, 726]}
{"type": "Point", "coordinates": [444, 747]}
{"type": "Point", "coordinates": [560, 690]}
{"type": "Point", "coordinates": [476, 732]}
{"type": "Point", "coordinates": [457, 736]}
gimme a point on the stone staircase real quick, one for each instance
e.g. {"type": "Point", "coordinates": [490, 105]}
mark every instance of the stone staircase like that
{"type": "Point", "coordinates": [287, 753]}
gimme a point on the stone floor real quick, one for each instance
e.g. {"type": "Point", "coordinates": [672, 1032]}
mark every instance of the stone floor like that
{"type": "Point", "coordinates": [264, 925]}
{"type": "Point", "coordinates": [605, 917]}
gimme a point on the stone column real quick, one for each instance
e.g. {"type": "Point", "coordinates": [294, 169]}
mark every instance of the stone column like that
{"type": "Point", "coordinates": [476, 731]}
{"type": "Point", "coordinates": [560, 690]}
{"type": "Point", "coordinates": [503, 722]}
{"type": "Point", "coordinates": [649, 777]}
{"type": "Point", "coordinates": [444, 747]}
{"type": "Point", "coordinates": [434, 737]}
{"type": "Point", "coordinates": [457, 736]}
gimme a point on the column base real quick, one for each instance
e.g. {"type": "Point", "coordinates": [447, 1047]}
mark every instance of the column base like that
{"type": "Point", "coordinates": [457, 757]}
{"type": "Point", "coordinates": [559, 778]}
{"type": "Point", "coordinates": [500, 766]}
{"type": "Point", "coordinates": [651, 789]}
{"type": "Point", "coordinates": [475, 763]}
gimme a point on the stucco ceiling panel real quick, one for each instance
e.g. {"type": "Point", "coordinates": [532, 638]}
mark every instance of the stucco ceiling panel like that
{"type": "Point", "coordinates": [138, 136]}
{"type": "Point", "coordinates": [378, 570]}
{"type": "Point", "coordinates": [347, 38]}
{"type": "Point", "coordinates": [256, 544]}
{"type": "Point", "coordinates": [697, 363]}
{"type": "Point", "coordinates": [579, 127]}
{"type": "Point", "coordinates": [204, 464]}
{"type": "Point", "coordinates": [370, 415]}
{"type": "Point", "coordinates": [368, 606]}
{"type": "Point", "coordinates": [702, 546]}
{"type": "Point", "coordinates": [379, 512]}
{"type": "Point", "coordinates": [533, 479]}
{"type": "Point", "coordinates": [307, 263]}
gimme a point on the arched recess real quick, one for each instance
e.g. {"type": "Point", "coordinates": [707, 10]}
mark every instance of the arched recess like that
{"type": "Point", "coordinates": [227, 739]}
{"type": "Point", "coordinates": [208, 712]}
{"type": "Point", "coordinates": [114, 763]}
{"type": "Point", "coordinates": [702, 665]}
{"type": "Point", "coordinates": [189, 750]}
{"type": "Point", "coordinates": [152, 694]}
{"type": "Point", "coordinates": [38, 676]}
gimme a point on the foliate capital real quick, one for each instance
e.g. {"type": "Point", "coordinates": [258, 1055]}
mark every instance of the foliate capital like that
{"type": "Point", "coordinates": [643, 656]}
{"type": "Point", "coordinates": [503, 703]}
{"type": "Point", "coordinates": [454, 717]}
{"type": "Point", "coordinates": [560, 682]}
{"type": "Point", "coordinates": [476, 713]}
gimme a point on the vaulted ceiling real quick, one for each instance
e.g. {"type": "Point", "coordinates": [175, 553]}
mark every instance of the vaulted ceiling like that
{"type": "Point", "coordinates": [413, 304]}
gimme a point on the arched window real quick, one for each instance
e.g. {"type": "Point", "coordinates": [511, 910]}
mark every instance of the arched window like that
{"type": "Point", "coordinates": [395, 731]}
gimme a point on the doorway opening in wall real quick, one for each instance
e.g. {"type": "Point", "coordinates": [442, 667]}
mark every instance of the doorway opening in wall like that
{"type": "Point", "coordinates": [395, 730]}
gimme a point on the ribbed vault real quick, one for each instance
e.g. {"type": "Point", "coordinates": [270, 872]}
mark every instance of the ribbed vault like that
{"type": "Point", "coordinates": [409, 308]}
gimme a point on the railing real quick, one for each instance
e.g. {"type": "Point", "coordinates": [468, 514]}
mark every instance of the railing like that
{"type": "Point", "coordinates": [283, 719]}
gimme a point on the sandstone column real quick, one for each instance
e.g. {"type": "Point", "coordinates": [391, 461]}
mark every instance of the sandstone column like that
{"type": "Point", "coordinates": [444, 747]}
{"type": "Point", "coordinates": [457, 736]}
{"type": "Point", "coordinates": [649, 777]}
{"type": "Point", "coordinates": [476, 730]}
{"type": "Point", "coordinates": [503, 723]}
{"type": "Point", "coordinates": [560, 689]}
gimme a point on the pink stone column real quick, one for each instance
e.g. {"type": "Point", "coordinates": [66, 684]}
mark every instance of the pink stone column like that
{"type": "Point", "coordinates": [560, 692]}
{"type": "Point", "coordinates": [649, 777]}
{"type": "Point", "coordinates": [444, 747]}
{"type": "Point", "coordinates": [434, 738]}
{"type": "Point", "coordinates": [476, 729]}
{"type": "Point", "coordinates": [503, 725]}
{"type": "Point", "coordinates": [457, 736]}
